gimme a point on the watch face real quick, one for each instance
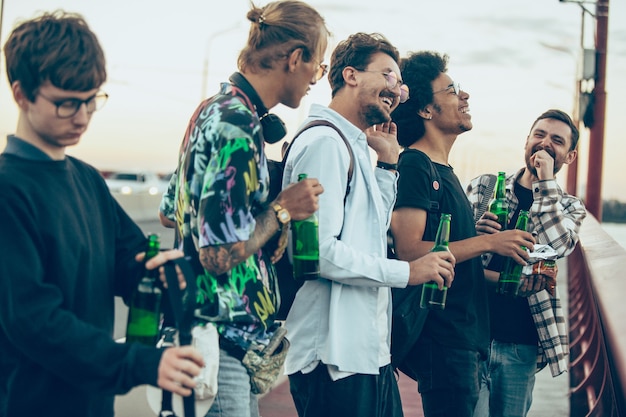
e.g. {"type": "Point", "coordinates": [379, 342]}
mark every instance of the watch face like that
{"type": "Point", "coordinates": [283, 216]}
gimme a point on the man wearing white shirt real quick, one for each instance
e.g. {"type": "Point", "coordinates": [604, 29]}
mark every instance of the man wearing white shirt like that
{"type": "Point", "coordinates": [339, 325]}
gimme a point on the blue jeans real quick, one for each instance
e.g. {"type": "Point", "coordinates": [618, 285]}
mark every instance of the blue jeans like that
{"type": "Point", "coordinates": [234, 395]}
{"type": "Point", "coordinates": [508, 379]}
{"type": "Point", "coordinates": [447, 378]}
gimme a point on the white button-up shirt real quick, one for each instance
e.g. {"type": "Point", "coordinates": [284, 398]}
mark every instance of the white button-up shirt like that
{"type": "Point", "coordinates": [344, 318]}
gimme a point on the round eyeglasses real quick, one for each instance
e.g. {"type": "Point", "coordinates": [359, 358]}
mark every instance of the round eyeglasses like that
{"type": "Point", "coordinates": [68, 107]}
{"type": "Point", "coordinates": [455, 86]}
{"type": "Point", "coordinates": [392, 80]}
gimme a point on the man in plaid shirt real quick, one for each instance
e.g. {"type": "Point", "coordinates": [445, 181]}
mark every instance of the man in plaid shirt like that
{"type": "Point", "coordinates": [528, 332]}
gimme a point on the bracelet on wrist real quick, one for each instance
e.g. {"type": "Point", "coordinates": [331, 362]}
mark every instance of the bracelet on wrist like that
{"type": "Point", "coordinates": [386, 165]}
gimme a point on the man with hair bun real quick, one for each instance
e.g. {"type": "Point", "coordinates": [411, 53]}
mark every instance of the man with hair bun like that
{"type": "Point", "coordinates": [218, 198]}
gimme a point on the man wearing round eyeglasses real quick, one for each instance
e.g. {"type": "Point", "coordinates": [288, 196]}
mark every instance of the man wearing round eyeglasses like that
{"type": "Point", "coordinates": [339, 325]}
{"type": "Point", "coordinates": [445, 358]}
{"type": "Point", "coordinates": [68, 247]}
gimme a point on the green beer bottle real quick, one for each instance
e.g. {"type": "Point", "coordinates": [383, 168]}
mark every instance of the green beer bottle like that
{"type": "Point", "coordinates": [499, 205]}
{"type": "Point", "coordinates": [306, 248]}
{"type": "Point", "coordinates": [508, 282]}
{"type": "Point", "coordinates": [432, 297]}
{"type": "Point", "coordinates": [144, 313]}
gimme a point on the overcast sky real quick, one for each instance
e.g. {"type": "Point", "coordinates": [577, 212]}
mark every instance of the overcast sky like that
{"type": "Point", "coordinates": [516, 59]}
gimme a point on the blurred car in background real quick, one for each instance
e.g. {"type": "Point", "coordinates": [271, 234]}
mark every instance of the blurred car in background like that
{"type": "Point", "coordinates": [136, 182]}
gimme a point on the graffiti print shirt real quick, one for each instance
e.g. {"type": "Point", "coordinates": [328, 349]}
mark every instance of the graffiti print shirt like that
{"type": "Point", "coordinates": [222, 183]}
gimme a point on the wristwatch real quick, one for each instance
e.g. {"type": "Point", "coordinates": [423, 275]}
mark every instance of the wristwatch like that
{"type": "Point", "coordinates": [387, 165]}
{"type": "Point", "coordinates": [282, 215]}
{"type": "Point", "coordinates": [284, 219]}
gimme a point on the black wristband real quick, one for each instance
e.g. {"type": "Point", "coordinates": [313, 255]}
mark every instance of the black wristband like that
{"type": "Point", "coordinates": [386, 165]}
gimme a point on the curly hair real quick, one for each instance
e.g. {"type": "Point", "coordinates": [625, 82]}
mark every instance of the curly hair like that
{"type": "Point", "coordinates": [419, 70]}
{"type": "Point", "coordinates": [357, 51]}
{"type": "Point", "coordinates": [57, 47]}
{"type": "Point", "coordinates": [279, 28]}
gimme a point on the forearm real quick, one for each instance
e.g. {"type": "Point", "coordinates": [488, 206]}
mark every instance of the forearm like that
{"type": "Point", "coordinates": [491, 276]}
{"type": "Point", "coordinates": [472, 247]}
{"type": "Point", "coordinates": [344, 263]}
{"type": "Point", "coordinates": [417, 249]}
{"type": "Point", "coordinates": [557, 218]}
{"type": "Point", "coordinates": [220, 259]}
{"type": "Point", "coordinates": [462, 250]}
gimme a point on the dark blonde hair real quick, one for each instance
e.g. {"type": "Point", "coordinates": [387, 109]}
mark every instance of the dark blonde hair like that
{"type": "Point", "coordinates": [57, 47]}
{"type": "Point", "coordinates": [279, 28]}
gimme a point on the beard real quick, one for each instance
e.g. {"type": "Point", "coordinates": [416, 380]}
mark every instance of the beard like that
{"type": "Point", "coordinates": [557, 165]}
{"type": "Point", "coordinates": [373, 114]}
{"type": "Point", "coordinates": [465, 128]}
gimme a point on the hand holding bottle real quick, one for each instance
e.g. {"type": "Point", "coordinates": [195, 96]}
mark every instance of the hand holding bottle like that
{"type": "Point", "coordinates": [434, 266]}
{"type": "Point", "coordinates": [509, 280]}
{"type": "Point", "coordinates": [306, 247]}
{"type": "Point", "coordinates": [434, 295]}
{"type": "Point", "coordinates": [512, 244]}
{"type": "Point", "coordinates": [487, 224]}
{"type": "Point", "coordinates": [144, 311]}
{"type": "Point", "coordinates": [301, 199]}
{"type": "Point", "coordinates": [158, 261]}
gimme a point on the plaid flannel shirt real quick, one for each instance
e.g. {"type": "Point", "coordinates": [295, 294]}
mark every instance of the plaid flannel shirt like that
{"type": "Point", "coordinates": [555, 218]}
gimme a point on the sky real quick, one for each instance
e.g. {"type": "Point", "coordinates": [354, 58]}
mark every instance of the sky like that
{"type": "Point", "coordinates": [516, 59]}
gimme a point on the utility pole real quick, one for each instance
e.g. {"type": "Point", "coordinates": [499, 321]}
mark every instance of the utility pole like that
{"type": "Point", "coordinates": [593, 198]}
{"type": "Point", "coordinates": [593, 192]}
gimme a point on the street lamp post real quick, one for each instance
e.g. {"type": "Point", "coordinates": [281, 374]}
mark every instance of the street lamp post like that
{"type": "Point", "coordinates": [596, 133]}
{"type": "Point", "coordinates": [593, 193]}
{"type": "Point", "coordinates": [207, 53]}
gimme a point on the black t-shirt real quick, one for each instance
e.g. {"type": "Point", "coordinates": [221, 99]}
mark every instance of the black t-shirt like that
{"type": "Point", "coordinates": [504, 309]}
{"type": "Point", "coordinates": [464, 322]}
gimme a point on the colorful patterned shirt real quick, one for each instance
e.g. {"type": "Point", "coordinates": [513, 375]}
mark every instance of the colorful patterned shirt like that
{"type": "Point", "coordinates": [221, 184]}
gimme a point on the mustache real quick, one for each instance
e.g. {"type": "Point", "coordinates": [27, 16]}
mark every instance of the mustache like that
{"type": "Point", "coordinates": [387, 93]}
{"type": "Point", "coordinates": [550, 152]}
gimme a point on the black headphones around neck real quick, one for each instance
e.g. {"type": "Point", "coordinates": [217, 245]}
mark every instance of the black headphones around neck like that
{"type": "Point", "coordinates": [273, 128]}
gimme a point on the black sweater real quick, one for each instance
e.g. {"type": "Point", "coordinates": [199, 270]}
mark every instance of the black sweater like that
{"type": "Point", "coordinates": [67, 248]}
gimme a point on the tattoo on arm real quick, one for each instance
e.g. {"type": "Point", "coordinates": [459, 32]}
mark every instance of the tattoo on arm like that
{"type": "Point", "coordinates": [222, 258]}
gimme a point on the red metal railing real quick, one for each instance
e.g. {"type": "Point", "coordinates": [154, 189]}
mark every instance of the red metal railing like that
{"type": "Point", "coordinates": [597, 324]}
